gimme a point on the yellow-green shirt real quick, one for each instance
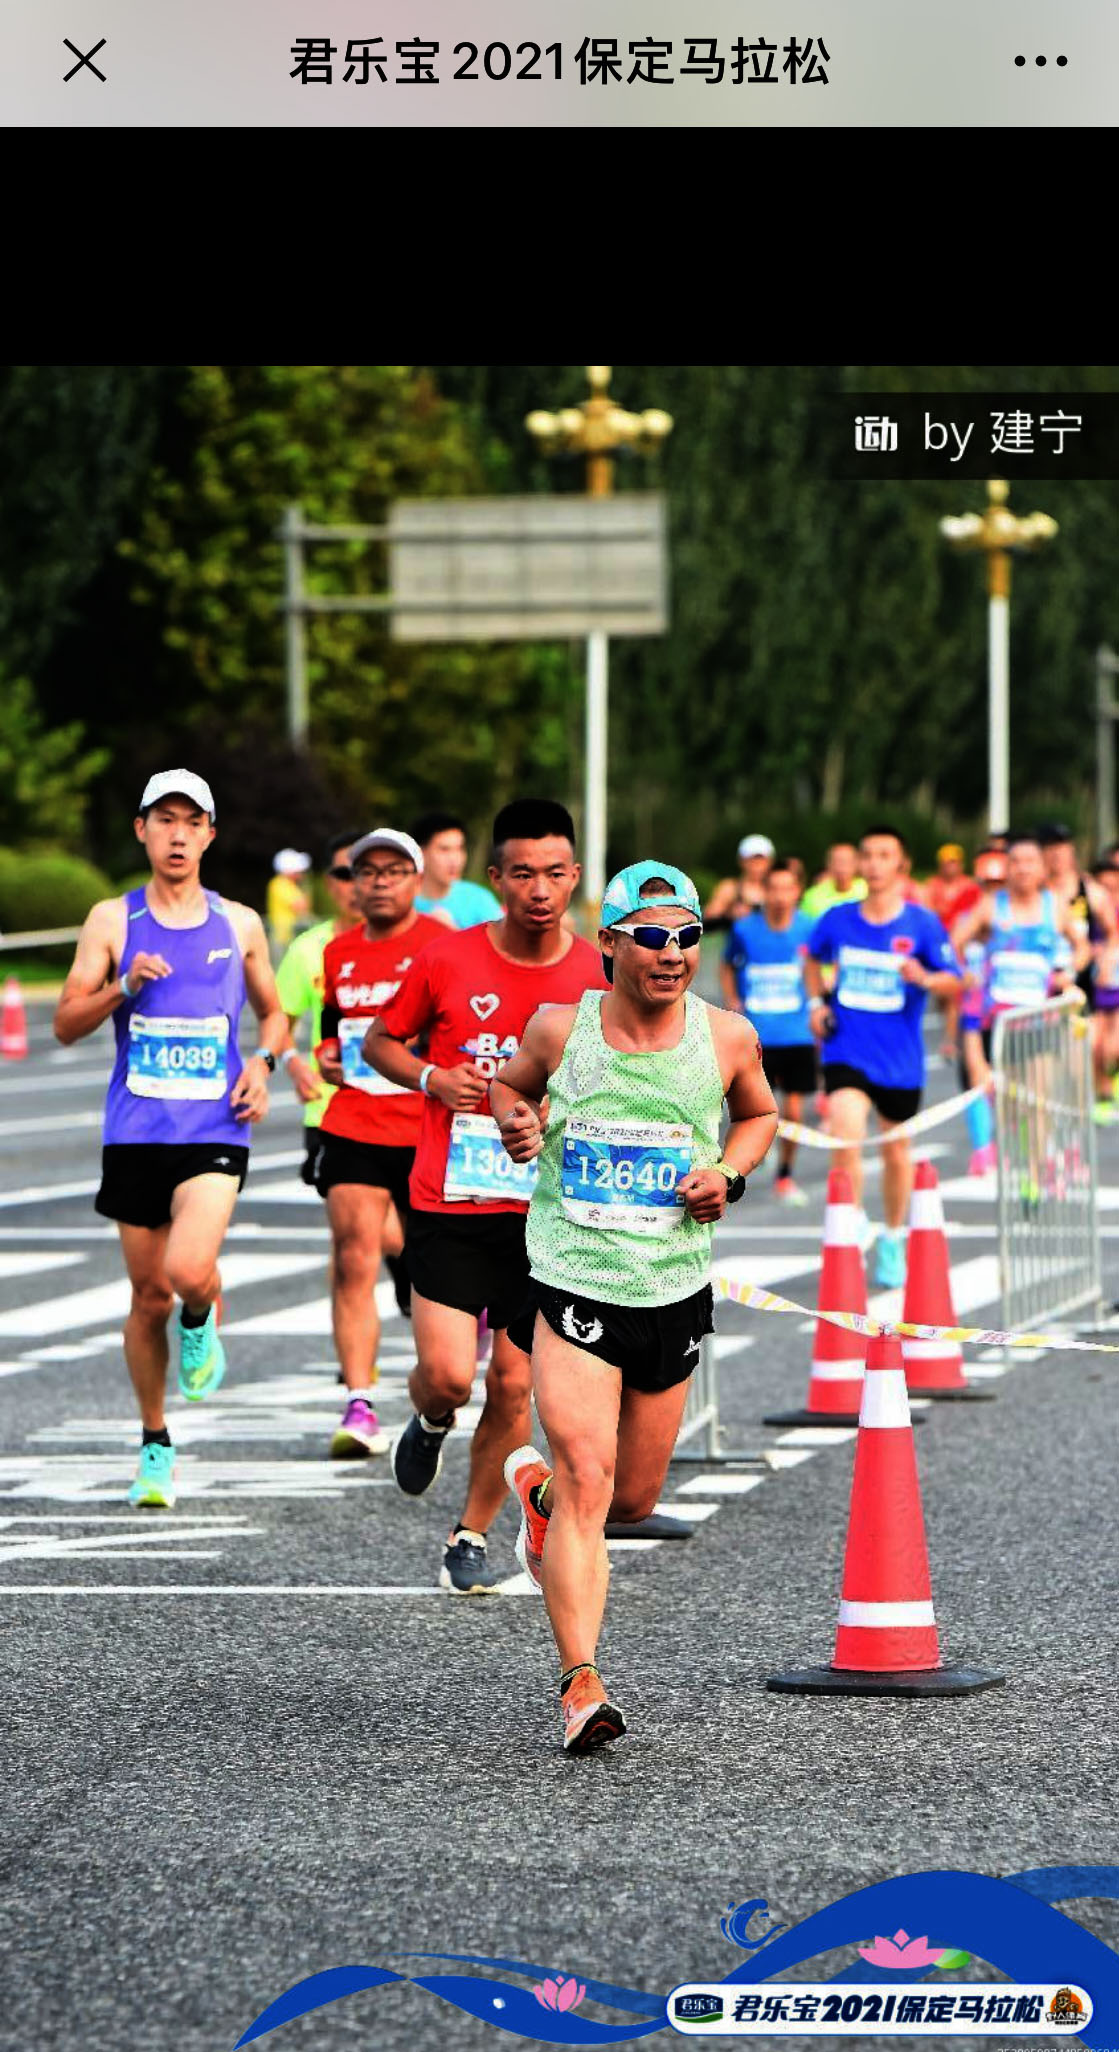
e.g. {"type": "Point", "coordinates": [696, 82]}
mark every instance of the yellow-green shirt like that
{"type": "Point", "coordinates": [299, 980]}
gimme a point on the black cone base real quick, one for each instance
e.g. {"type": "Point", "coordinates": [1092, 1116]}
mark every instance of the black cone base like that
{"type": "Point", "coordinates": [926, 1681]}
{"type": "Point", "coordinates": [655, 1527]}
{"type": "Point", "coordinates": [835, 1419]}
{"type": "Point", "coordinates": [956, 1396]}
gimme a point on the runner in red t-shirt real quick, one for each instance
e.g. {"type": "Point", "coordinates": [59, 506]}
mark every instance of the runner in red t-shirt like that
{"type": "Point", "coordinates": [370, 1127]}
{"type": "Point", "coordinates": [471, 995]}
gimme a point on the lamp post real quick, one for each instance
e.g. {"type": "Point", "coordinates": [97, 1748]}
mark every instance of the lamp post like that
{"type": "Point", "coordinates": [999, 532]}
{"type": "Point", "coordinates": [597, 429]}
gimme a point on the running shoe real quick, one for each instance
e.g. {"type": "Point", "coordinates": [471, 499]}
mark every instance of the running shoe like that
{"type": "Point", "coordinates": [359, 1434]}
{"type": "Point", "coordinates": [465, 1570]}
{"type": "Point", "coordinates": [154, 1487]}
{"type": "Point", "coordinates": [201, 1358]}
{"type": "Point", "coordinates": [983, 1160]}
{"type": "Point", "coordinates": [417, 1455]}
{"type": "Point", "coordinates": [524, 1470]}
{"type": "Point", "coordinates": [889, 1261]}
{"type": "Point", "coordinates": [590, 1719]}
{"type": "Point", "coordinates": [788, 1192]}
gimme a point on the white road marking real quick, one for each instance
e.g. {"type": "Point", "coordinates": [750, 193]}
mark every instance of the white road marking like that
{"type": "Point", "coordinates": [510, 1588]}
{"type": "Point", "coordinates": [17, 1265]}
{"type": "Point", "coordinates": [106, 1478]}
{"type": "Point", "coordinates": [974, 1283]}
{"type": "Point", "coordinates": [719, 1485]}
{"type": "Point", "coordinates": [112, 1300]}
{"type": "Point", "coordinates": [48, 1193]}
{"type": "Point", "coordinates": [309, 1320]}
{"type": "Point", "coordinates": [62, 1122]}
{"type": "Point", "coordinates": [46, 1546]}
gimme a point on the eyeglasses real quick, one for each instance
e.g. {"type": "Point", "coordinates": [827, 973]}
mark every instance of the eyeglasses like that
{"type": "Point", "coordinates": [655, 938]}
{"type": "Point", "coordinates": [395, 874]}
{"type": "Point", "coordinates": [341, 872]}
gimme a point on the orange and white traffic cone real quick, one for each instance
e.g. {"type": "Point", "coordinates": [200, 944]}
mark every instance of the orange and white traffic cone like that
{"type": "Point", "coordinates": [933, 1367]}
{"type": "Point", "coordinates": [886, 1642]}
{"type": "Point", "coordinates": [13, 1023]}
{"type": "Point", "coordinates": [835, 1385]}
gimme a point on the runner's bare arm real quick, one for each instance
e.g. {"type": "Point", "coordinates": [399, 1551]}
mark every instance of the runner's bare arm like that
{"type": "Point", "coordinates": [721, 900]}
{"type": "Point", "coordinates": [93, 989]}
{"type": "Point", "coordinates": [518, 1091]}
{"type": "Point", "coordinates": [462, 1088]}
{"type": "Point", "coordinates": [750, 1101]}
{"type": "Point", "coordinates": [975, 925]}
{"type": "Point", "coordinates": [249, 1094]}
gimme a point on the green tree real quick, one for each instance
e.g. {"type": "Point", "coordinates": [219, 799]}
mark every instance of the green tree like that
{"type": "Point", "coordinates": [45, 774]}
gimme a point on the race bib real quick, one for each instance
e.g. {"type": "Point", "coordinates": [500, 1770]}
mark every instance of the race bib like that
{"type": "Point", "coordinates": [478, 1166]}
{"type": "Point", "coordinates": [774, 987]}
{"type": "Point", "coordinates": [356, 1072]}
{"type": "Point", "coordinates": [620, 1175]}
{"type": "Point", "coordinates": [870, 980]}
{"type": "Point", "coordinates": [1018, 978]}
{"type": "Point", "coordinates": [183, 1058]}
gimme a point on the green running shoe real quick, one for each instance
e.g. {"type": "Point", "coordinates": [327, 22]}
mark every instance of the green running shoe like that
{"type": "Point", "coordinates": [154, 1488]}
{"type": "Point", "coordinates": [201, 1358]}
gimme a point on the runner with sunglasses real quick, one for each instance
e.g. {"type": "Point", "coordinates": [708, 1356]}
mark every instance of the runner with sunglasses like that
{"type": "Point", "coordinates": [471, 995]}
{"type": "Point", "coordinates": [620, 1100]}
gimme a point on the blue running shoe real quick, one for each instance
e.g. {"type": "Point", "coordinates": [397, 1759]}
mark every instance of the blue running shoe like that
{"type": "Point", "coordinates": [889, 1261]}
{"type": "Point", "coordinates": [154, 1487]}
{"type": "Point", "coordinates": [201, 1358]}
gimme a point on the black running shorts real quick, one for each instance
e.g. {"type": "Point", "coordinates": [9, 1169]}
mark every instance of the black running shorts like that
{"type": "Point", "coordinates": [312, 1148]}
{"type": "Point", "coordinates": [139, 1179]}
{"type": "Point", "coordinates": [894, 1105]}
{"type": "Point", "coordinates": [470, 1264]}
{"type": "Point", "coordinates": [362, 1161]}
{"type": "Point", "coordinates": [655, 1346]}
{"type": "Point", "coordinates": [790, 1069]}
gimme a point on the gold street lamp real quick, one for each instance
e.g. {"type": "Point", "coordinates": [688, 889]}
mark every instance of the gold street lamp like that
{"type": "Point", "coordinates": [998, 532]}
{"type": "Point", "coordinates": [597, 429]}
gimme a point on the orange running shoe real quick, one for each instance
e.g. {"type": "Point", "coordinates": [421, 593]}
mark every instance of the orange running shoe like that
{"type": "Point", "coordinates": [524, 1469]}
{"type": "Point", "coordinates": [590, 1719]}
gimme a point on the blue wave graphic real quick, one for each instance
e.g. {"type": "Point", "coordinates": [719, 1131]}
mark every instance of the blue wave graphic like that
{"type": "Point", "coordinates": [1010, 1923]}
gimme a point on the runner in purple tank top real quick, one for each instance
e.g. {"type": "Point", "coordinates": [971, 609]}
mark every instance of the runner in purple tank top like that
{"type": "Point", "coordinates": [173, 964]}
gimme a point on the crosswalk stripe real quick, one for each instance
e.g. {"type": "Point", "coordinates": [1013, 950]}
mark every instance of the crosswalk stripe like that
{"type": "Point", "coordinates": [112, 1300]}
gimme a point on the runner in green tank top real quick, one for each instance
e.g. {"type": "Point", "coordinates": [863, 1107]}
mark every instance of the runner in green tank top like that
{"type": "Point", "coordinates": [621, 1098]}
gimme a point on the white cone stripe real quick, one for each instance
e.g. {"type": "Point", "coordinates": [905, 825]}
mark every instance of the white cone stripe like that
{"type": "Point", "coordinates": [841, 1225]}
{"type": "Point", "coordinates": [883, 1615]}
{"type": "Point", "coordinates": [931, 1350]}
{"type": "Point", "coordinates": [837, 1371]}
{"type": "Point", "coordinates": [885, 1402]}
{"type": "Point", "coordinates": [926, 1212]}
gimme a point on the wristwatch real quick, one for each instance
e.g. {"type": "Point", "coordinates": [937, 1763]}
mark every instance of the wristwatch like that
{"type": "Point", "coordinates": [736, 1181]}
{"type": "Point", "coordinates": [263, 1054]}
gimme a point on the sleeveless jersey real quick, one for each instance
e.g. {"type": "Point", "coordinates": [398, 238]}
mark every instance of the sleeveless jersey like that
{"type": "Point", "coordinates": [1021, 958]}
{"type": "Point", "coordinates": [623, 1130]}
{"type": "Point", "coordinates": [177, 1057]}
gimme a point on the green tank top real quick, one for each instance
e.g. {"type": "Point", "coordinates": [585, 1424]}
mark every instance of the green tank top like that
{"type": "Point", "coordinates": [623, 1129]}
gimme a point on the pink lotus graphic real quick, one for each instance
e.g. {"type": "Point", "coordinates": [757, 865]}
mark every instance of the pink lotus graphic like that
{"type": "Point", "coordinates": [561, 1994]}
{"type": "Point", "coordinates": [901, 1951]}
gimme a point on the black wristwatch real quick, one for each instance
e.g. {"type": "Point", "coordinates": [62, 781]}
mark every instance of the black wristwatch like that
{"type": "Point", "coordinates": [263, 1054]}
{"type": "Point", "coordinates": [736, 1183]}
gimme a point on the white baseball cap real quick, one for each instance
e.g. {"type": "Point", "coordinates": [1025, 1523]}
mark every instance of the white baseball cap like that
{"type": "Point", "coordinates": [389, 837]}
{"type": "Point", "coordinates": [183, 784]}
{"type": "Point", "coordinates": [755, 844]}
{"type": "Point", "coordinates": [290, 862]}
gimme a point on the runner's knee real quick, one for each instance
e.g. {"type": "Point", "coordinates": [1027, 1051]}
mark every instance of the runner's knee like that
{"type": "Point", "coordinates": [189, 1277]}
{"type": "Point", "coordinates": [585, 1480]}
{"type": "Point", "coordinates": [633, 1501]}
{"type": "Point", "coordinates": [355, 1262]}
{"type": "Point", "coordinates": [153, 1301]}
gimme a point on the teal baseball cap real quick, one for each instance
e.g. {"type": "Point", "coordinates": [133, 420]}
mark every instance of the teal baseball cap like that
{"type": "Point", "coordinates": [623, 896]}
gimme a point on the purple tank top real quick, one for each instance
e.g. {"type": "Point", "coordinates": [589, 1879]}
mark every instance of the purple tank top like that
{"type": "Point", "coordinates": [177, 1056]}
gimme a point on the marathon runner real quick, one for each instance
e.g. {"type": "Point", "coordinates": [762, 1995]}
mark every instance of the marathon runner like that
{"type": "Point", "coordinates": [173, 963]}
{"type": "Point", "coordinates": [621, 1098]}
{"type": "Point", "coordinates": [299, 981]}
{"type": "Point", "coordinates": [1105, 1044]}
{"type": "Point", "coordinates": [762, 975]}
{"type": "Point", "coordinates": [889, 954]}
{"type": "Point", "coordinates": [1033, 946]}
{"type": "Point", "coordinates": [840, 883]}
{"type": "Point", "coordinates": [737, 895]}
{"type": "Point", "coordinates": [1093, 915]}
{"type": "Point", "coordinates": [371, 1126]}
{"type": "Point", "coordinates": [445, 892]}
{"type": "Point", "coordinates": [950, 892]}
{"type": "Point", "coordinates": [990, 875]}
{"type": "Point", "coordinates": [471, 995]}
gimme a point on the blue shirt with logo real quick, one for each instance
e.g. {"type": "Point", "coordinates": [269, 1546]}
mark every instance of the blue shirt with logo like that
{"type": "Point", "coordinates": [877, 1013]}
{"type": "Point", "coordinates": [768, 964]}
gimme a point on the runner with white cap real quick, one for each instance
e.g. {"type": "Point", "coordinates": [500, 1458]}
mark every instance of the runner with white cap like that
{"type": "Point", "coordinates": [631, 1181]}
{"type": "Point", "coordinates": [173, 963]}
{"type": "Point", "coordinates": [371, 1126]}
{"type": "Point", "coordinates": [738, 895]}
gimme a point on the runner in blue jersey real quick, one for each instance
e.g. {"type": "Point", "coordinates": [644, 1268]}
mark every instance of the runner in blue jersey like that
{"type": "Point", "coordinates": [888, 955]}
{"type": "Point", "coordinates": [762, 975]}
{"type": "Point", "coordinates": [1031, 943]}
{"type": "Point", "coordinates": [172, 964]}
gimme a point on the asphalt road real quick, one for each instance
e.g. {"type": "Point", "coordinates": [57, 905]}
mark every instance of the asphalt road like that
{"type": "Point", "coordinates": [249, 1740]}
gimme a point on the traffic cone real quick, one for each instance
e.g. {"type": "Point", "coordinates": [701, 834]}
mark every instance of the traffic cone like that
{"type": "Point", "coordinates": [835, 1385]}
{"type": "Point", "coordinates": [933, 1367]}
{"type": "Point", "coordinates": [13, 1024]}
{"type": "Point", "coordinates": [886, 1642]}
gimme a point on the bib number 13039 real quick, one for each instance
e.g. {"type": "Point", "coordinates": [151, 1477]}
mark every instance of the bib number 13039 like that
{"type": "Point", "coordinates": [478, 1167]}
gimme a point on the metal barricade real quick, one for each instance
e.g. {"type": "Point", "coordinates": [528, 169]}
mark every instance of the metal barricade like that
{"type": "Point", "coordinates": [1049, 1246]}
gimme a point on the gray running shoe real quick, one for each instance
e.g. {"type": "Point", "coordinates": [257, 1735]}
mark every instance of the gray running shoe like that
{"type": "Point", "coordinates": [466, 1570]}
{"type": "Point", "coordinates": [417, 1455]}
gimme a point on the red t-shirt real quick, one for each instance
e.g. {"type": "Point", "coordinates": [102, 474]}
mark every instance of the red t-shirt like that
{"type": "Point", "coordinates": [473, 1005]}
{"type": "Point", "coordinates": [359, 978]}
{"type": "Point", "coordinates": [951, 900]}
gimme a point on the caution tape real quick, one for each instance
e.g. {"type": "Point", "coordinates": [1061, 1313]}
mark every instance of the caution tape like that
{"type": "Point", "coordinates": [755, 1299]}
{"type": "Point", "coordinates": [920, 1123]}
